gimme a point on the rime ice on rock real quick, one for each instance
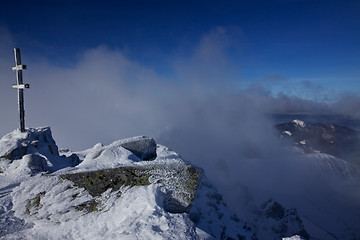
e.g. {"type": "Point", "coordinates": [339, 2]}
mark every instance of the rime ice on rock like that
{"type": "Point", "coordinates": [143, 147]}
{"type": "Point", "coordinates": [37, 148]}
{"type": "Point", "coordinates": [113, 187]}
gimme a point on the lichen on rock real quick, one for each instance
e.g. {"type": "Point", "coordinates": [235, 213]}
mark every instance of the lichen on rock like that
{"type": "Point", "coordinates": [177, 181]}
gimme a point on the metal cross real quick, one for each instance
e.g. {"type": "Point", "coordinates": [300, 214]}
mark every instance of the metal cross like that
{"type": "Point", "coordinates": [20, 86]}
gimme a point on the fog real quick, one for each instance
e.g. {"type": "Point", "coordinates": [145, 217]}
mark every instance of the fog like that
{"type": "Point", "coordinates": [204, 111]}
{"type": "Point", "coordinates": [106, 95]}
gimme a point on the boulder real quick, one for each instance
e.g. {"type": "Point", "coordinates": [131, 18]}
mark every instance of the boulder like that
{"type": "Point", "coordinates": [37, 147]}
{"type": "Point", "coordinates": [178, 182]}
{"type": "Point", "coordinates": [143, 147]}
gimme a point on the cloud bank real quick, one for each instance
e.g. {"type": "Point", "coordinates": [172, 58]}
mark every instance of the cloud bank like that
{"type": "Point", "coordinates": [107, 95]}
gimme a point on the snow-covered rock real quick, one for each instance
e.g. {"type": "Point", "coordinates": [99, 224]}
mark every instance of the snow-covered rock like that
{"type": "Point", "coordinates": [32, 151]}
{"type": "Point", "coordinates": [211, 214]}
{"type": "Point", "coordinates": [299, 123]}
{"type": "Point", "coordinates": [143, 147]}
{"type": "Point", "coordinates": [277, 222]}
{"type": "Point", "coordinates": [109, 192]}
{"type": "Point", "coordinates": [295, 237]}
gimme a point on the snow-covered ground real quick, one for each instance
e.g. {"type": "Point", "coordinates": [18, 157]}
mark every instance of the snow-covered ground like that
{"type": "Point", "coordinates": [36, 203]}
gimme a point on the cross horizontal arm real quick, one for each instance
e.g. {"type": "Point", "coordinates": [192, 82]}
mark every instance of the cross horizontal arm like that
{"type": "Point", "coordinates": [19, 67]}
{"type": "Point", "coordinates": [21, 86]}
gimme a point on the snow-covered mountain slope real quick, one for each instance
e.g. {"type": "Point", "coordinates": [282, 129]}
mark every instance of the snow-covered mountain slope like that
{"type": "Point", "coordinates": [110, 192]}
{"type": "Point", "coordinates": [339, 141]}
{"type": "Point", "coordinates": [333, 166]}
{"type": "Point", "coordinates": [325, 144]}
{"type": "Point", "coordinates": [329, 204]}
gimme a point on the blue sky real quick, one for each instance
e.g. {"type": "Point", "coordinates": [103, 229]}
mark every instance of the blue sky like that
{"type": "Point", "coordinates": [147, 66]}
{"type": "Point", "coordinates": [297, 40]}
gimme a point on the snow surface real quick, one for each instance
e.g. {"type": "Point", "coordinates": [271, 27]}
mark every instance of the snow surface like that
{"type": "Point", "coordinates": [288, 133]}
{"type": "Point", "coordinates": [113, 155]}
{"type": "Point", "coordinates": [135, 215]}
{"type": "Point", "coordinates": [299, 123]}
{"type": "Point", "coordinates": [334, 166]}
{"type": "Point", "coordinates": [39, 205]}
{"type": "Point", "coordinates": [296, 237]}
{"type": "Point", "coordinates": [11, 140]}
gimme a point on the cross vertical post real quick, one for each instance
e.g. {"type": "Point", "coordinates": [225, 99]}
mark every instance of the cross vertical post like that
{"type": "Point", "coordinates": [20, 87]}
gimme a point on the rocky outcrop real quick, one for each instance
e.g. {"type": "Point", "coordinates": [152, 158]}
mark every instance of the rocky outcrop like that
{"type": "Point", "coordinates": [177, 181]}
{"type": "Point", "coordinates": [37, 148]}
{"type": "Point", "coordinates": [280, 221]}
{"type": "Point", "coordinates": [211, 214]}
{"type": "Point", "coordinates": [143, 147]}
{"type": "Point", "coordinates": [105, 180]}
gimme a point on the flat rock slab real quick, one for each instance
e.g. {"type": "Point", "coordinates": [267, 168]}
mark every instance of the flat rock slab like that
{"type": "Point", "coordinates": [178, 182]}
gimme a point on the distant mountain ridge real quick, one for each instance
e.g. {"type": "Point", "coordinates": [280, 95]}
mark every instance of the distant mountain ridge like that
{"type": "Point", "coordinates": [336, 119]}
{"type": "Point", "coordinates": [336, 140]}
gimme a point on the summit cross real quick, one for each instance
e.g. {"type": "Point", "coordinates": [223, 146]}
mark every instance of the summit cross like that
{"type": "Point", "coordinates": [20, 86]}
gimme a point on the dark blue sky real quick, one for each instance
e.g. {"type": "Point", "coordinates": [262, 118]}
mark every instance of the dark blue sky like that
{"type": "Point", "coordinates": [290, 42]}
